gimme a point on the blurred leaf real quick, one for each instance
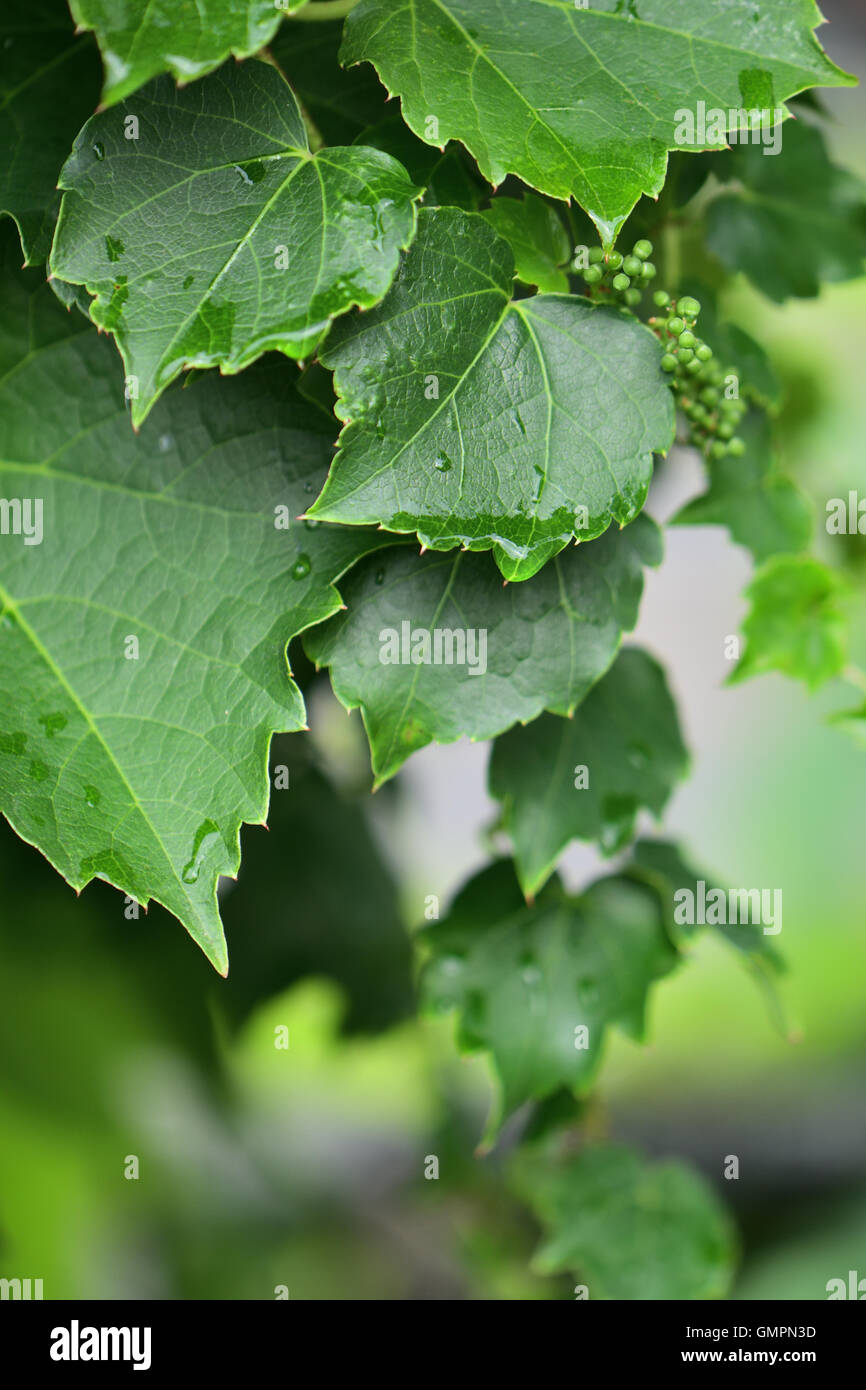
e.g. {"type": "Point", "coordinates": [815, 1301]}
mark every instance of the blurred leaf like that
{"type": "Point", "coordinates": [624, 740]}
{"type": "Point", "coordinates": [661, 863]}
{"type": "Point", "coordinates": [796, 221]}
{"type": "Point", "coordinates": [762, 509]}
{"type": "Point", "coordinates": [796, 624]}
{"type": "Point", "coordinates": [629, 1229]}
{"type": "Point", "coordinates": [538, 987]}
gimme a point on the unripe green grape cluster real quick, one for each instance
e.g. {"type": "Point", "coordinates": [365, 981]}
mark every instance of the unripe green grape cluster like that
{"type": "Point", "coordinates": [615, 274]}
{"type": "Point", "coordinates": [698, 379]}
{"type": "Point", "coordinates": [697, 376]}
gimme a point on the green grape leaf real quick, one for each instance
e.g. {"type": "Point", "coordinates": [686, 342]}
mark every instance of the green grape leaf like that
{"type": "Point", "coordinates": [140, 39]}
{"type": "Point", "coordinates": [627, 1228]}
{"type": "Point", "coordinates": [762, 508]}
{"type": "Point", "coordinates": [587, 777]}
{"type": "Point", "coordinates": [536, 235]}
{"type": "Point", "coordinates": [49, 85]}
{"type": "Point", "coordinates": [215, 235]}
{"type": "Point", "coordinates": [477, 420]}
{"type": "Point", "coordinates": [341, 102]}
{"type": "Point", "coordinates": [794, 222]}
{"type": "Point", "coordinates": [583, 103]}
{"type": "Point", "coordinates": [72, 296]}
{"type": "Point", "coordinates": [538, 987]}
{"type": "Point", "coordinates": [796, 624]}
{"type": "Point", "coordinates": [148, 589]}
{"type": "Point", "coordinates": [437, 647]}
{"type": "Point", "coordinates": [449, 177]}
{"type": "Point", "coordinates": [350, 106]}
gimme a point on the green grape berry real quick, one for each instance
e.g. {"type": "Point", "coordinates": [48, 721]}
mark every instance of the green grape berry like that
{"type": "Point", "coordinates": [669, 362]}
{"type": "Point", "coordinates": [614, 260]}
{"type": "Point", "coordinates": [643, 250]}
{"type": "Point", "coordinates": [687, 339]}
{"type": "Point", "coordinates": [725, 431]}
{"type": "Point", "coordinates": [694, 367]}
{"type": "Point", "coordinates": [704, 353]}
{"type": "Point", "coordinates": [688, 306]}
{"type": "Point", "coordinates": [675, 325]}
{"type": "Point", "coordinates": [710, 395]}
{"type": "Point", "coordinates": [718, 449]}
{"type": "Point", "coordinates": [633, 298]}
{"type": "Point", "coordinates": [631, 265]}
{"type": "Point", "coordinates": [595, 255]}
{"type": "Point", "coordinates": [648, 270]}
{"type": "Point", "coordinates": [621, 282]}
{"type": "Point", "coordinates": [661, 299]}
{"type": "Point", "coordinates": [685, 356]}
{"type": "Point", "coordinates": [593, 275]}
{"type": "Point", "coordinates": [737, 447]}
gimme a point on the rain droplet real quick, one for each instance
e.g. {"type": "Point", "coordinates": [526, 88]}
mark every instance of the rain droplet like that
{"type": "Point", "coordinates": [166, 442]}
{"type": "Point", "coordinates": [99, 150]}
{"type": "Point", "coordinates": [204, 837]}
{"type": "Point", "coordinates": [311, 523]}
{"type": "Point", "coordinates": [302, 566]}
{"type": "Point", "coordinates": [188, 281]}
{"type": "Point", "coordinates": [38, 770]}
{"type": "Point", "coordinates": [92, 795]}
{"type": "Point", "coordinates": [442, 463]}
{"type": "Point", "coordinates": [380, 576]}
{"type": "Point", "coordinates": [53, 723]}
{"type": "Point", "coordinates": [13, 743]}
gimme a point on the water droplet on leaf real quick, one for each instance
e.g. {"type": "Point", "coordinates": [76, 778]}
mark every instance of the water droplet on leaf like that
{"type": "Point", "coordinates": [53, 723]}
{"type": "Point", "coordinates": [202, 843]}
